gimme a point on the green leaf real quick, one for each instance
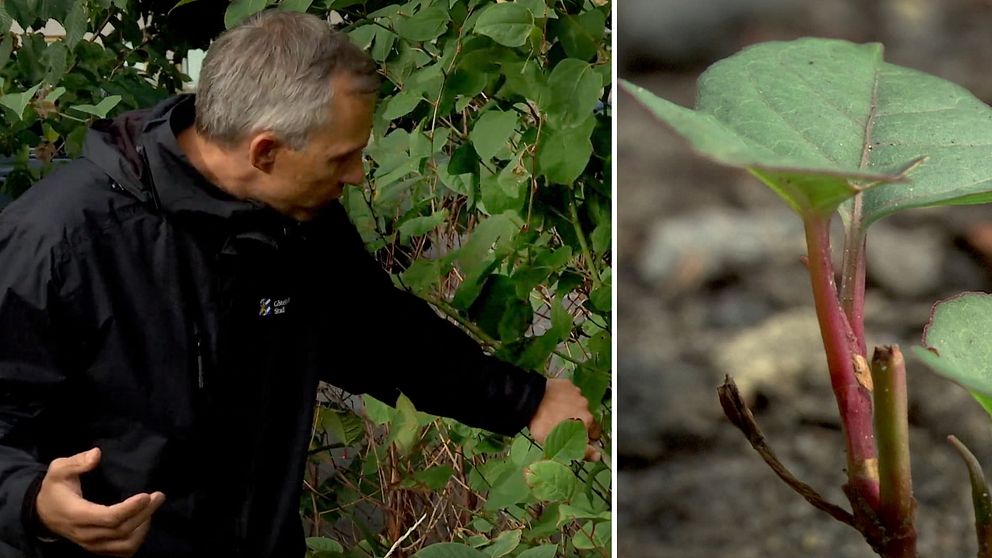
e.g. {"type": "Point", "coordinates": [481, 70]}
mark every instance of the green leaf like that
{"type": "Point", "coordinates": [55, 60]}
{"type": "Point", "coordinates": [75, 25]}
{"type": "Point", "coordinates": [550, 481]}
{"type": "Point", "coordinates": [504, 544]}
{"type": "Point", "coordinates": [17, 102]}
{"type": "Point", "coordinates": [347, 428]}
{"type": "Point", "coordinates": [592, 535]}
{"type": "Point", "coordinates": [404, 428]}
{"type": "Point", "coordinates": [581, 36]}
{"type": "Point", "coordinates": [449, 550]}
{"type": "Point", "coordinates": [476, 255]}
{"type": "Point", "coordinates": [402, 103]}
{"type": "Point", "coordinates": [575, 88]}
{"type": "Point", "coordinates": [543, 551]}
{"type": "Point", "coordinates": [508, 24]}
{"type": "Point", "coordinates": [526, 79]}
{"type": "Point", "coordinates": [567, 442]}
{"type": "Point", "coordinates": [101, 109]}
{"type": "Point", "coordinates": [872, 124]}
{"type": "Point", "coordinates": [240, 10]}
{"type": "Point", "coordinates": [324, 544]}
{"type": "Point", "coordinates": [426, 25]}
{"type": "Point", "coordinates": [506, 191]}
{"type": "Point", "coordinates": [5, 20]}
{"type": "Point", "coordinates": [602, 297]}
{"type": "Point", "coordinates": [24, 12]}
{"type": "Point", "coordinates": [492, 132]}
{"type": "Point", "coordinates": [957, 343]}
{"type": "Point", "coordinates": [541, 347]}
{"type": "Point", "coordinates": [6, 47]}
{"type": "Point", "coordinates": [377, 411]}
{"type": "Point", "coordinates": [434, 478]}
{"type": "Point", "coordinates": [295, 5]}
{"type": "Point", "coordinates": [419, 226]}
{"type": "Point", "coordinates": [509, 489]}
{"type": "Point", "coordinates": [563, 154]}
{"type": "Point", "coordinates": [592, 382]}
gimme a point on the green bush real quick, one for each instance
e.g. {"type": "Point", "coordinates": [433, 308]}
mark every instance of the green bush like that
{"type": "Point", "coordinates": [489, 196]}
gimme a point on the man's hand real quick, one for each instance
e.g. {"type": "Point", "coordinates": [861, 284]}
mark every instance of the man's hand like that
{"type": "Point", "coordinates": [563, 401]}
{"type": "Point", "coordinates": [116, 530]}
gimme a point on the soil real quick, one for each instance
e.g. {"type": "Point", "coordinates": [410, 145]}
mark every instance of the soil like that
{"type": "Point", "coordinates": [732, 297]}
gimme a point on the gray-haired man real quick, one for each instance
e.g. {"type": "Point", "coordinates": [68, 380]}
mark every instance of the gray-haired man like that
{"type": "Point", "coordinates": [170, 302]}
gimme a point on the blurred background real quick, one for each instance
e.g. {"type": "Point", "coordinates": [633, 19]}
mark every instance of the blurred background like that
{"type": "Point", "coordinates": [710, 283]}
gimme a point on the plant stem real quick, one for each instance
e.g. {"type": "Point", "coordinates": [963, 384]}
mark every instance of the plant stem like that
{"type": "Point", "coordinates": [852, 284]}
{"type": "Point", "coordinates": [897, 511]}
{"type": "Point", "coordinates": [586, 253]}
{"type": "Point", "coordinates": [853, 392]}
{"type": "Point", "coordinates": [980, 498]}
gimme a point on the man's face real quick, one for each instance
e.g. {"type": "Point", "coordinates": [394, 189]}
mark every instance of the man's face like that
{"type": "Point", "coordinates": [299, 183]}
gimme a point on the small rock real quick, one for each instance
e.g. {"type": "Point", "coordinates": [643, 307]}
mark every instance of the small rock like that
{"type": "Point", "coordinates": [772, 355]}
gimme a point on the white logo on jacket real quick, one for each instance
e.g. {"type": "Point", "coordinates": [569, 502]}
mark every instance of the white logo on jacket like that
{"type": "Point", "coordinates": [273, 307]}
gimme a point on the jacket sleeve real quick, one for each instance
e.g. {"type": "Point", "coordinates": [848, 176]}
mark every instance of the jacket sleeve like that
{"type": "Point", "coordinates": [389, 341]}
{"type": "Point", "coordinates": [31, 371]}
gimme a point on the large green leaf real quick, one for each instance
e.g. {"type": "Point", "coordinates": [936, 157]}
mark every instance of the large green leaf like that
{"type": "Point", "coordinates": [75, 25]}
{"type": "Point", "coordinates": [17, 102]}
{"type": "Point", "coordinates": [957, 343]}
{"type": "Point", "coordinates": [426, 25]}
{"type": "Point", "coordinates": [567, 442]}
{"type": "Point", "coordinates": [563, 154]}
{"type": "Point", "coordinates": [504, 544]}
{"type": "Point", "coordinates": [819, 120]}
{"type": "Point", "coordinates": [543, 551]}
{"type": "Point", "coordinates": [492, 131]}
{"type": "Point", "coordinates": [101, 109]}
{"type": "Point", "coordinates": [574, 90]}
{"type": "Point", "coordinates": [5, 20]}
{"type": "Point", "coordinates": [550, 480]}
{"type": "Point", "coordinates": [508, 24]}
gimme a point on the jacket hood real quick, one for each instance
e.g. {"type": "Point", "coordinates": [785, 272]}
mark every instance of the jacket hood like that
{"type": "Point", "coordinates": [139, 151]}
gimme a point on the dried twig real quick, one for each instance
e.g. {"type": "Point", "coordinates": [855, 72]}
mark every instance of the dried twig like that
{"type": "Point", "coordinates": [736, 410]}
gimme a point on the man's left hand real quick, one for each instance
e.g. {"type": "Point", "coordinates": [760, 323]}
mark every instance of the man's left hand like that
{"type": "Point", "coordinates": [563, 401]}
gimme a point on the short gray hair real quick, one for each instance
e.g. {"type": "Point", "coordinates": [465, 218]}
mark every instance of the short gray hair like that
{"type": "Point", "coordinates": [273, 73]}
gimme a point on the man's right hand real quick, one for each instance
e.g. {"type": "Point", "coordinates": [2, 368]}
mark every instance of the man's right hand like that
{"type": "Point", "coordinates": [116, 530]}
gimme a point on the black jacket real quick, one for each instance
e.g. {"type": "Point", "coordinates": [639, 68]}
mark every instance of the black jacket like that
{"type": "Point", "coordinates": [184, 333]}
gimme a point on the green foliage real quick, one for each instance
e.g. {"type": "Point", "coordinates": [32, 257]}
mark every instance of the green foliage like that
{"type": "Point", "coordinates": [51, 91]}
{"type": "Point", "coordinates": [873, 126]}
{"type": "Point", "coordinates": [957, 347]}
{"type": "Point", "coordinates": [489, 196]}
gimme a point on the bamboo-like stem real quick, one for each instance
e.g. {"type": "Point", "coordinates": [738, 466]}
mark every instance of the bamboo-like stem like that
{"type": "Point", "coordinates": [853, 392]}
{"type": "Point", "coordinates": [897, 511]}
{"type": "Point", "coordinates": [980, 498]}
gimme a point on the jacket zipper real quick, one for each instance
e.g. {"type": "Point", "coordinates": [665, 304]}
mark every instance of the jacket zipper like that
{"type": "Point", "coordinates": [198, 341]}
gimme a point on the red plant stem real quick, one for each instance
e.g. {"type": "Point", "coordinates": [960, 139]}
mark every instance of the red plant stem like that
{"type": "Point", "coordinates": [853, 396]}
{"type": "Point", "coordinates": [897, 511]}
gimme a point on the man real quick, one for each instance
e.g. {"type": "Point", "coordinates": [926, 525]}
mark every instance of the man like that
{"type": "Point", "coordinates": [169, 302]}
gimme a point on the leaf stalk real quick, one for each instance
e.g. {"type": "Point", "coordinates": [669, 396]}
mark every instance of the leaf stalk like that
{"type": "Point", "coordinates": [852, 391]}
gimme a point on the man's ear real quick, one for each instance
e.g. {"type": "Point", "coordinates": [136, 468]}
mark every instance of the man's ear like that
{"type": "Point", "coordinates": [262, 150]}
